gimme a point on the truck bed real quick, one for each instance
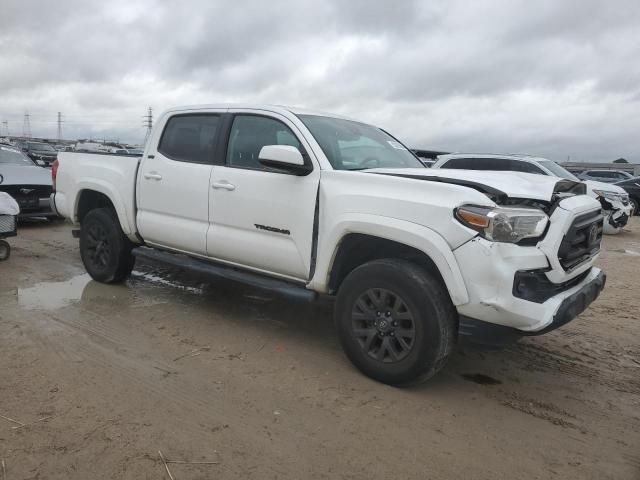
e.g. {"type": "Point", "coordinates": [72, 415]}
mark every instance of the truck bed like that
{"type": "Point", "coordinates": [113, 175]}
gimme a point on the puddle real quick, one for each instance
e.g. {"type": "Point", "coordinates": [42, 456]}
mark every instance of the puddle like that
{"type": "Point", "coordinates": [624, 251]}
{"type": "Point", "coordinates": [81, 288]}
{"type": "Point", "coordinates": [481, 379]}
{"type": "Point", "coordinates": [53, 295]}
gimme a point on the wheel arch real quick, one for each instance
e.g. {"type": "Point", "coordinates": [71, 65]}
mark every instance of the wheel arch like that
{"type": "Point", "coordinates": [99, 196]}
{"type": "Point", "coordinates": [353, 243]}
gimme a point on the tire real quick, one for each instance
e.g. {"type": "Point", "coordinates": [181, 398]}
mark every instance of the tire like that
{"type": "Point", "coordinates": [5, 250]}
{"type": "Point", "coordinates": [635, 203]}
{"type": "Point", "coordinates": [419, 328]}
{"type": "Point", "coordinates": [105, 251]}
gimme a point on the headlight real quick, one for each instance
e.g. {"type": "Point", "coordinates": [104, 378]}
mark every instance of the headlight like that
{"type": "Point", "coordinates": [612, 196]}
{"type": "Point", "coordinates": [504, 224]}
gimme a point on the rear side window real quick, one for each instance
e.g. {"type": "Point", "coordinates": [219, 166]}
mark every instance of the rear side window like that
{"type": "Point", "coordinates": [190, 138]}
{"type": "Point", "coordinates": [526, 167]}
{"type": "Point", "coordinates": [249, 133]}
{"type": "Point", "coordinates": [460, 163]}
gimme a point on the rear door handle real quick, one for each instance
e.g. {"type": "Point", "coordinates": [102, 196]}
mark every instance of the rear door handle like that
{"type": "Point", "coordinates": [224, 185]}
{"type": "Point", "coordinates": [153, 176]}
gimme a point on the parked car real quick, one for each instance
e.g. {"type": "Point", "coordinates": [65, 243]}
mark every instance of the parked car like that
{"type": "Point", "coordinates": [9, 210]}
{"type": "Point", "coordinates": [41, 153]}
{"type": "Point", "coordinates": [632, 187]}
{"type": "Point", "coordinates": [606, 176]}
{"type": "Point", "coordinates": [27, 183]}
{"type": "Point", "coordinates": [616, 207]}
{"type": "Point", "coordinates": [306, 203]}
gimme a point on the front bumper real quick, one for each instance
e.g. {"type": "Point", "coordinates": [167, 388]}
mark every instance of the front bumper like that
{"type": "Point", "coordinates": [524, 287]}
{"type": "Point", "coordinates": [42, 210]}
{"type": "Point", "coordinates": [476, 331]}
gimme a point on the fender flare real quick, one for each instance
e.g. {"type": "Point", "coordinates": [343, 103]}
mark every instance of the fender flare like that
{"type": "Point", "coordinates": [411, 234]}
{"type": "Point", "coordinates": [112, 194]}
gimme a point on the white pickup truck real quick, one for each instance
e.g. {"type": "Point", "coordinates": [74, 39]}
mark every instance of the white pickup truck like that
{"type": "Point", "coordinates": [305, 203]}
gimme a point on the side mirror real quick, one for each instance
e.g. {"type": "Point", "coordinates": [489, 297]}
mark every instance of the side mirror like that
{"type": "Point", "coordinates": [284, 157]}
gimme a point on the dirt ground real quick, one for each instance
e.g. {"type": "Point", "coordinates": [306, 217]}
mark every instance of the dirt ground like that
{"type": "Point", "coordinates": [102, 377]}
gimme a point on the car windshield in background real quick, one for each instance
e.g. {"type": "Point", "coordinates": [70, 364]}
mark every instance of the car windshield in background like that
{"type": "Point", "coordinates": [558, 171]}
{"type": "Point", "coordinates": [13, 157]}
{"type": "Point", "coordinates": [352, 145]}
{"type": "Point", "coordinates": [41, 147]}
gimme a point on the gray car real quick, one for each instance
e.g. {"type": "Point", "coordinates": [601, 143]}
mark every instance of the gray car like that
{"type": "Point", "coordinates": [607, 176]}
{"type": "Point", "coordinates": [27, 183]}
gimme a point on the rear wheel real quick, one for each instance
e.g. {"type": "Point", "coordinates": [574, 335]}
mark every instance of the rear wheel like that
{"type": "Point", "coordinates": [635, 207]}
{"type": "Point", "coordinates": [105, 250]}
{"type": "Point", "coordinates": [396, 321]}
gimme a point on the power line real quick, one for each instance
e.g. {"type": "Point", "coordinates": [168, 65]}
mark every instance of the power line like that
{"type": "Point", "coordinates": [59, 126]}
{"type": "Point", "coordinates": [148, 122]}
{"type": "Point", "coordinates": [26, 125]}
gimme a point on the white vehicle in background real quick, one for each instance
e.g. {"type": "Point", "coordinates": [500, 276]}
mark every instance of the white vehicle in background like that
{"type": "Point", "coordinates": [616, 206]}
{"type": "Point", "coordinates": [305, 203]}
{"type": "Point", "coordinates": [88, 147]}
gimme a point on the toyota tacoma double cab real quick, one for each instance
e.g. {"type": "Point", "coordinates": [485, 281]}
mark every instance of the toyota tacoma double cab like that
{"type": "Point", "coordinates": [306, 204]}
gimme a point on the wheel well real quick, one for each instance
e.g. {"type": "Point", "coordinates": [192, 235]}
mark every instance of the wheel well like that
{"type": "Point", "coordinates": [90, 200]}
{"type": "Point", "coordinates": [356, 249]}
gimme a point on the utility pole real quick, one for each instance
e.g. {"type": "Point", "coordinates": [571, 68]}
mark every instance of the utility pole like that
{"type": "Point", "coordinates": [5, 127]}
{"type": "Point", "coordinates": [26, 125]}
{"type": "Point", "coordinates": [59, 126]}
{"type": "Point", "coordinates": [148, 122]}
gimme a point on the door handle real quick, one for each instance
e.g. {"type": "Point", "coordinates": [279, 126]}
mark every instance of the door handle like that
{"type": "Point", "coordinates": [153, 176]}
{"type": "Point", "coordinates": [224, 185]}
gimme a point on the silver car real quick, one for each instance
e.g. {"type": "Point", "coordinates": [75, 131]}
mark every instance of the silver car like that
{"type": "Point", "coordinates": [27, 183]}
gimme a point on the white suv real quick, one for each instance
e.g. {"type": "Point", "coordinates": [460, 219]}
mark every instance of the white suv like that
{"type": "Point", "coordinates": [616, 206]}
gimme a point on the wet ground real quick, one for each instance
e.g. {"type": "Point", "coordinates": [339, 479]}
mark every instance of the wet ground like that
{"type": "Point", "coordinates": [95, 379]}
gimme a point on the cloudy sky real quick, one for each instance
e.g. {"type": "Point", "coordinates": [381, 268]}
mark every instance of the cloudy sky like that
{"type": "Point", "coordinates": [559, 78]}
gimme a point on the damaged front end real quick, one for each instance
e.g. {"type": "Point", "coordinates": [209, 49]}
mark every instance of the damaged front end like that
{"type": "Point", "coordinates": [616, 209]}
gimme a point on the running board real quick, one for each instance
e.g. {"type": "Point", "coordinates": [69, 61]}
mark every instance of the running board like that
{"type": "Point", "coordinates": [221, 271]}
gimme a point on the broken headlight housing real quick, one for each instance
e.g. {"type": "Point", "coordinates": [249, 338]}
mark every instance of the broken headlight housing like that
{"type": "Point", "coordinates": [508, 225]}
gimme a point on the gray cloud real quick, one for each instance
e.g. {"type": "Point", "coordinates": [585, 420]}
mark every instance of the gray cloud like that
{"type": "Point", "coordinates": [553, 78]}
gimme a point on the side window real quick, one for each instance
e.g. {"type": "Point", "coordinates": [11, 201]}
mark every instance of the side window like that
{"type": "Point", "coordinates": [604, 174]}
{"type": "Point", "coordinates": [526, 167]}
{"type": "Point", "coordinates": [460, 163]}
{"type": "Point", "coordinates": [494, 164]}
{"type": "Point", "coordinates": [249, 133]}
{"type": "Point", "coordinates": [190, 138]}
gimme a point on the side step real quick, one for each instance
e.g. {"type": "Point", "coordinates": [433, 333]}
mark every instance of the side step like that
{"type": "Point", "coordinates": [221, 271]}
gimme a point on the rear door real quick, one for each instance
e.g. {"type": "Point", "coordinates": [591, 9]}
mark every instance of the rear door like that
{"type": "Point", "coordinates": [173, 183]}
{"type": "Point", "coordinates": [262, 218]}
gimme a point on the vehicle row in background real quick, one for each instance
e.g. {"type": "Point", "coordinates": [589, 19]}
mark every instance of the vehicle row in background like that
{"type": "Point", "coordinates": [606, 176]}
{"type": "Point", "coordinates": [28, 184]}
{"type": "Point", "coordinates": [616, 206]}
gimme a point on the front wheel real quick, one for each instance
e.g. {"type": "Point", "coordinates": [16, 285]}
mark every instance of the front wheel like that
{"type": "Point", "coordinates": [396, 321]}
{"type": "Point", "coordinates": [105, 250]}
{"type": "Point", "coordinates": [635, 207]}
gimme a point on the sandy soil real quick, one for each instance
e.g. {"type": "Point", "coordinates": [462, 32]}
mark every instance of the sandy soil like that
{"type": "Point", "coordinates": [105, 376]}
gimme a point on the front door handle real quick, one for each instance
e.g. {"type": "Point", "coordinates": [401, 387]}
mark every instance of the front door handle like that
{"type": "Point", "coordinates": [153, 176]}
{"type": "Point", "coordinates": [224, 185]}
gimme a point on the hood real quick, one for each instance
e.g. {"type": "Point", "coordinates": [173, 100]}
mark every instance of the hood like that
{"type": "Point", "coordinates": [510, 184]}
{"type": "Point", "coordinates": [24, 175]}
{"type": "Point", "coordinates": [607, 187]}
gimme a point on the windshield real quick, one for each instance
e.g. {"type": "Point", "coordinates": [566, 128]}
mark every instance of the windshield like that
{"type": "Point", "coordinates": [41, 147]}
{"type": "Point", "coordinates": [558, 171]}
{"type": "Point", "coordinates": [13, 157]}
{"type": "Point", "coordinates": [352, 145]}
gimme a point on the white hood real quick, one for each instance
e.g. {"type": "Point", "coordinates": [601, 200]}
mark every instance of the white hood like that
{"type": "Point", "coordinates": [24, 175]}
{"type": "Point", "coordinates": [605, 187]}
{"type": "Point", "coordinates": [526, 185]}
